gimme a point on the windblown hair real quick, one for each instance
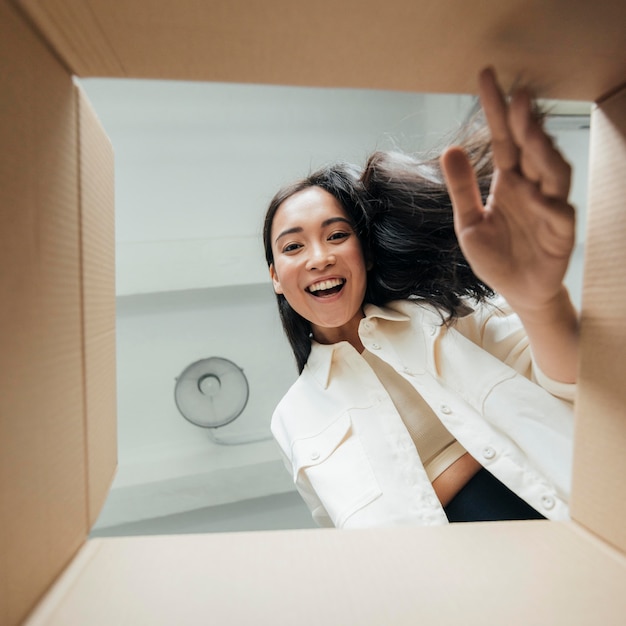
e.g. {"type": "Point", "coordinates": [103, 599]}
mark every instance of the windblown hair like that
{"type": "Point", "coordinates": [413, 245]}
{"type": "Point", "coordinates": [342, 182]}
{"type": "Point", "coordinates": [402, 215]}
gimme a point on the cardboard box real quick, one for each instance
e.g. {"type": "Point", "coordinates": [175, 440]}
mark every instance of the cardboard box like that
{"type": "Point", "coordinates": [57, 404]}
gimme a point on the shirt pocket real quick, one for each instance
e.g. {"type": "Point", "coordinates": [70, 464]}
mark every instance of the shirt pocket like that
{"type": "Point", "coordinates": [337, 468]}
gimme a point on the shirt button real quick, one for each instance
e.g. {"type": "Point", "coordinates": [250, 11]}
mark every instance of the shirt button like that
{"type": "Point", "coordinates": [433, 330]}
{"type": "Point", "coordinates": [315, 455]}
{"type": "Point", "coordinates": [445, 409]}
{"type": "Point", "coordinates": [547, 502]}
{"type": "Point", "coordinates": [489, 453]}
{"type": "Point", "coordinates": [375, 346]}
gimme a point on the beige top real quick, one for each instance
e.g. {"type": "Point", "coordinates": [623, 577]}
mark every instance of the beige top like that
{"type": "Point", "coordinates": [437, 448]}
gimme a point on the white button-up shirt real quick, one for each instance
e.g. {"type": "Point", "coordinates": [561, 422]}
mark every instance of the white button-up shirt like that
{"type": "Point", "coordinates": [350, 454]}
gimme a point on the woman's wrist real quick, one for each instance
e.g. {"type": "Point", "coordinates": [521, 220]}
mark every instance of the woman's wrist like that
{"type": "Point", "coordinates": [557, 310]}
{"type": "Point", "coordinates": [553, 333]}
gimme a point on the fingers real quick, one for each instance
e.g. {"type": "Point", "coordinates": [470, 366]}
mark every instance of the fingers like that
{"type": "Point", "coordinates": [493, 102]}
{"type": "Point", "coordinates": [540, 161]}
{"type": "Point", "coordinates": [462, 187]}
{"type": "Point", "coordinates": [519, 141]}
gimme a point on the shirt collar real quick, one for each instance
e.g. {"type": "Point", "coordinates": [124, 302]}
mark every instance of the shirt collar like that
{"type": "Point", "coordinates": [320, 360]}
{"type": "Point", "coordinates": [393, 312]}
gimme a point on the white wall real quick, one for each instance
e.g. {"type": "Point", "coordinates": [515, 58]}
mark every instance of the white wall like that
{"type": "Point", "coordinates": [196, 165]}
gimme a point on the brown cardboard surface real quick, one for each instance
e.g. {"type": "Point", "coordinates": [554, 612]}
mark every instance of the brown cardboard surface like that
{"type": "Point", "coordinates": [600, 465]}
{"type": "Point", "coordinates": [43, 509]}
{"type": "Point", "coordinates": [56, 331]}
{"type": "Point", "coordinates": [98, 292]}
{"type": "Point", "coordinates": [570, 50]}
{"type": "Point", "coordinates": [504, 573]}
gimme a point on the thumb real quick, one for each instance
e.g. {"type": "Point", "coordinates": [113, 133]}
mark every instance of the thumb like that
{"type": "Point", "coordinates": [463, 188]}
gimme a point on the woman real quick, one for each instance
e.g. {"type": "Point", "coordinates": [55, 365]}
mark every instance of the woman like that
{"type": "Point", "coordinates": [422, 399]}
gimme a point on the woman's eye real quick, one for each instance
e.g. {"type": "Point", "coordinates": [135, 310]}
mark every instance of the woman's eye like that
{"type": "Point", "coordinates": [338, 235]}
{"type": "Point", "coordinates": [290, 247]}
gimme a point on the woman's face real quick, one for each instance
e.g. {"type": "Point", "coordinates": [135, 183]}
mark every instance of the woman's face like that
{"type": "Point", "coordinates": [318, 263]}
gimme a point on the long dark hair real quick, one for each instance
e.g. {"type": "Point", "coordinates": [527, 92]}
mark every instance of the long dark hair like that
{"type": "Point", "coordinates": [414, 247]}
{"type": "Point", "coordinates": [342, 181]}
{"type": "Point", "coordinates": [402, 214]}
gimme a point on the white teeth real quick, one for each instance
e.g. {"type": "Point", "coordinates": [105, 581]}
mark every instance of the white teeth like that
{"type": "Point", "coordinates": [326, 284]}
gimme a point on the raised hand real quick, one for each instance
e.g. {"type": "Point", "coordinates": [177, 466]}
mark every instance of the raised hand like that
{"type": "Point", "coordinates": [521, 240]}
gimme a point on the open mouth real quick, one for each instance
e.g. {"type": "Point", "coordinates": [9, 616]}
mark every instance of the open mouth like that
{"type": "Point", "coordinates": [326, 288]}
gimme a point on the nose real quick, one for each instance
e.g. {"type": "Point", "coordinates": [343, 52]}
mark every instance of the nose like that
{"type": "Point", "coordinates": [320, 258]}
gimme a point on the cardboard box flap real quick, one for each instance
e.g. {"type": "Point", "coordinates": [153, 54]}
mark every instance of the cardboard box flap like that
{"type": "Point", "coordinates": [56, 331]}
{"type": "Point", "coordinates": [569, 50]}
{"type": "Point", "coordinates": [57, 319]}
{"type": "Point", "coordinates": [43, 496]}
{"type": "Point", "coordinates": [598, 500]}
{"type": "Point", "coordinates": [97, 230]}
{"type": "Point", "coordinates": [504, 573]}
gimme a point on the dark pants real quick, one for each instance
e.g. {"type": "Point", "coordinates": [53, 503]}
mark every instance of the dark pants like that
{"type": "Point", "coordinates": [486, 499]}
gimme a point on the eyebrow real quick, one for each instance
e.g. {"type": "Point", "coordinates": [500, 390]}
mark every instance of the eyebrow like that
{"type": "Point", "coordinates": [325, 223]}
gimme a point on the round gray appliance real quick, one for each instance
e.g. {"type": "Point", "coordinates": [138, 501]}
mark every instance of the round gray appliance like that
{"type": "Point", "coordinates": [211, 392]}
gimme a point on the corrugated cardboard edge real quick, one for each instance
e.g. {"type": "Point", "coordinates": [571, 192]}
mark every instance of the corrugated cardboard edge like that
{"type": "Point", "coordinates": [62, 586]}
{"type": "Point", "coordinates": [573, 50]}
{"type": "Point", "coordinates": [598, 500]}
{"type": "Point", "coordinates": [97, 228]}
{"type": "Point", "coordinates": [75, 34]}
{"type": "Point", "coordinates": [43, 508]}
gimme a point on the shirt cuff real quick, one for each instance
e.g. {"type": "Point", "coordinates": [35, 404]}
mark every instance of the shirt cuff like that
{"type": "Point", "coordinates": [564, 391]}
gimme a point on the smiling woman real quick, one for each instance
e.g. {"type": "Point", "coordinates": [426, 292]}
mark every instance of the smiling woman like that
{"type": "Point", "coordinates": [318, 264]}
{"type": "Point", "coordinates": [420, 390]}
{"type": "Point", "coordinates": [190, 284]}
{"type": "Point", "coordinates": [188, 269]}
